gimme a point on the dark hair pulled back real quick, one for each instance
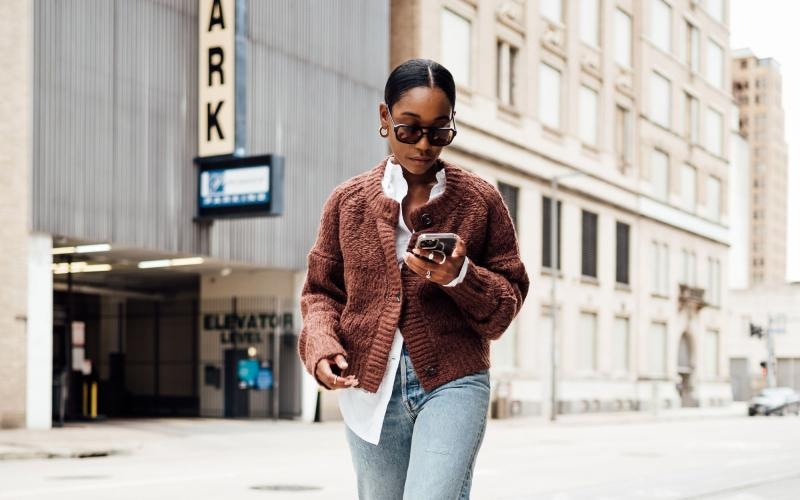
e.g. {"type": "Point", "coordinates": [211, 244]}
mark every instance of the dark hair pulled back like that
{"type": "Point", "coordinates": [418, 73]}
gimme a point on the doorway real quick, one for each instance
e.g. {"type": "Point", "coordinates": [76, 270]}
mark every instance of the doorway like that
{"type": "Point", "coordinates": [237, 400]}
{"type": "Point", "coordinates": [686, 371]}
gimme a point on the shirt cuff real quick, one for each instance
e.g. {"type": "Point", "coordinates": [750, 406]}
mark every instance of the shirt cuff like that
{"type": "Point", "coordinates": [461, 275]}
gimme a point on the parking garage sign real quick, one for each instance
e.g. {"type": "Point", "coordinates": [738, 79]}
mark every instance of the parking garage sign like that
{"type": "Point", "coordinates": [220, 110]}
{"type": "Point", "coordinates": [240, 187]}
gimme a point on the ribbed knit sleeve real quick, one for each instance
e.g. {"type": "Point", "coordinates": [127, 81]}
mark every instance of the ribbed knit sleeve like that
{"type": "Point", "coordinates": [323, 296]}
{"type": "Point", "coordinates": [494, 289]}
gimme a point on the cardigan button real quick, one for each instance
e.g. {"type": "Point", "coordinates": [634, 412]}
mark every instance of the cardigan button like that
{"type": "Point", "coordinates": [430, 371]}
{"type": "Point", "coordinates": [397, 296]}
{"type": "Point", "coordinates": [426, 219]}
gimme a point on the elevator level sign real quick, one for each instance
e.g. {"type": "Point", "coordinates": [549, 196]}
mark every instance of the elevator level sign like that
{"type": "Point", "coordinates": [220, 64]}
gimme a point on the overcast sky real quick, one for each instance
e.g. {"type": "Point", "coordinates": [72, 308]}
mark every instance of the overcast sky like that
{"type": "Point", "coordinates": [771, 28]}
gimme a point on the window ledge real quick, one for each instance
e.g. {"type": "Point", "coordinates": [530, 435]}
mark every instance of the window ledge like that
{"type": "Point", "coordinates": [590, 280]}
{"type": "Point", "coordinates": [654, 378]}
{"type": "Point", "coordinates": [509, 112]}
{"type": "Point", "coordinates": [659, 296]}
{"type": "Point", "coordinates": [622, 287]}
{"type": "Point", "coordinates": [546, 271]}
{"type": "Point", "coordinates": [590, 149]}
{"type": "Point", "coordinates": [552, 133]}
{"type": "Point", "coordinates": [464, 92]}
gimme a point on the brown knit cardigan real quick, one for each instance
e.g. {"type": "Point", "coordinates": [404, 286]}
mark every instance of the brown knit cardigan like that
{"type": "Point", "coordinates": [356, 295]}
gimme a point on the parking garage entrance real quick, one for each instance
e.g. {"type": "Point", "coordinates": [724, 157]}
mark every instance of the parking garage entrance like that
{"type": "Point", "coordinates": [158, 348]}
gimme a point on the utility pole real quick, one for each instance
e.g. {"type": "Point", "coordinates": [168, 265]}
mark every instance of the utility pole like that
{"type": "Point", "coordinates": [771, 365]}
{"type": "Point", "coordinates": [553, 306]}
{"type": "Point", "coordinates": [554, 269]}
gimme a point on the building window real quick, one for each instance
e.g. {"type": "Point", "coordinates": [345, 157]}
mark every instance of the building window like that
{"type": "Point", "coordinates": [715, 64]}
{"type": "Point", "coordinates": [660, 269]}
{"type": "Point", "coordinates": [546, 233]}
{"type": "Point", "coordinates": [657, 349]}
{"type": "Point", "coordinates": [510, 194]}
{"type": "Point", "coordinates": [622, 39]}
{"type": "Point", "coordinates": [589, 244]}
{"type": "Point", "coordinates": [693, 47]}
{"type": "Point", "coordinates": [507, 56]}
{"type": "Point", "coordinates": [689, 187]}
{"type": "Point", "coordinates": [714, 124]}
{"type": "Point", "coordinates": [713, 197]}
{"type": "Point", "coordinates": [712, 353]}
{"type": "Point", "coordinates": [621, 343]}
{"type": "Point", "coordinates": [692, 118]}
{"type": "Point", "coordinates": [590, 22]}
{"type": "Point", "coordinates": [623, 135]}
{"type": "Point", "coordinates": [716, 9]}
{"type": "Point", "coordinates": [587, 106]}
{"type": "Point", "coordinates": [659, 174]}
{"type": "Point", "coordinates": [688, 268]}
{"type": "Point", "coordinates": [550, 96]}
{"type": "Point", "coordinates": [660, 100]}
{"type": "Point", "coordinates": [587, 342]}
{"type": "Point", "coordinates": [456, 44]}
{"type": "Point", "coordinates": [661, 25]}
{"type": "Point", "coordinates": [623, 253]}
{"type": "Point", "coordinates": [552, 10]}
{"type": "Point", "coordinates": [714, 293]}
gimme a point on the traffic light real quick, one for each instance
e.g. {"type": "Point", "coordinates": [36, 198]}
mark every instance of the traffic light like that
{"type": "Point", "coordinates": [756, 331]}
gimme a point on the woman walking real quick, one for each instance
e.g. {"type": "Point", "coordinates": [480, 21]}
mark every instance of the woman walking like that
{"type": "Point", "coordinates": [404, 332]}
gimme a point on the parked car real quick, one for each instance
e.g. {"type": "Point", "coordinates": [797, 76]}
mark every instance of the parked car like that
{"type": "Point", "coordinates": [775, 401]}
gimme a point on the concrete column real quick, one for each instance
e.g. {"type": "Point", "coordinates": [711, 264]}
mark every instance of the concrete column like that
{"type": "Point", "coordinates": [310, 388]}
{"type": "Point", "coordinates": [16, 32]}
{"type": "Point", "coordinates": [39, 412]}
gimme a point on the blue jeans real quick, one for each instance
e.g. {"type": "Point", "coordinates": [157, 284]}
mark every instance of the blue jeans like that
{"type": "Point", "coordinates": [429, 440]}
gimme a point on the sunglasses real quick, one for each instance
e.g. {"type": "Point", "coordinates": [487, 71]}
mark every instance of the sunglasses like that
{"type": "Point", "coordinates": [437, 136]}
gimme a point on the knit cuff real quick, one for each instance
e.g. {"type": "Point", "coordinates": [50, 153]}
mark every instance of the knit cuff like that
{"type": "Point", "coordinates": [318, 347]}
{"type": "Point", "coordinates": [474, 293]}
{"type": "Point", "coordinates": [461, 274]}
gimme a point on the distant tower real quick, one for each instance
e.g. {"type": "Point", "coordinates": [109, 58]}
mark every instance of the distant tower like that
{"type": "Point", "coordinates": [757, 89]}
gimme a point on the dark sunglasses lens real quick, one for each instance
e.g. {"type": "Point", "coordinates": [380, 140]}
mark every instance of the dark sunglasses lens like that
{"type": "Point", "coordinates": [441, 136]}
{"type": "Point", "coordinates": [408, 134]}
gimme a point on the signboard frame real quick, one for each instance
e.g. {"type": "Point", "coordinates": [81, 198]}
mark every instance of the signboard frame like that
{"type": "Point", "coordinates": [221, 77]}
{"type": "Point", "coordinates": [273, 207]}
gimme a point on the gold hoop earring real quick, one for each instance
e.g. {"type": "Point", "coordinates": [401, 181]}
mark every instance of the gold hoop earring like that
{"type": "Point", "coordinates": [384, 132]}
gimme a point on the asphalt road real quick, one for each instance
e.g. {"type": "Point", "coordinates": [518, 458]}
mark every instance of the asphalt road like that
{"type": "Point", "coordinates": [733, 458]}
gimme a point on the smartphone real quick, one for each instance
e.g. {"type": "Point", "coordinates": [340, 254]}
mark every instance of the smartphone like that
{"type": "Point", "coordinates": [443, 242]}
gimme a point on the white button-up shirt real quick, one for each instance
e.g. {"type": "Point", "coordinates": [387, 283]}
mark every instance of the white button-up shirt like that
{"type": "Point", "coordinates": [363, 411]}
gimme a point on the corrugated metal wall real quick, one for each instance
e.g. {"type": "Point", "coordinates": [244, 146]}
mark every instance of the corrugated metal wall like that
{"type": "Point", "coordinates": [116, 117]}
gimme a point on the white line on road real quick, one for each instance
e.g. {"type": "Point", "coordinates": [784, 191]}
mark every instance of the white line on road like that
{"type": "Point", "coordinates": [111, 484]}
{"type": "Point", "coordinates": [744, 486]}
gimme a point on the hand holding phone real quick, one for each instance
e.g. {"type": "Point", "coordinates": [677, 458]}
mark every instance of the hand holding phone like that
{"type": "Point", "coordinates": [438, 257]}
{"type": "Point", "coordinates": [437, 242]}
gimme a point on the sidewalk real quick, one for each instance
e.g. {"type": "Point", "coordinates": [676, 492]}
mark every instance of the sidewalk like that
{"type": "Point", "coordinates": [126, 436]}
{"type": "Point", "coordinates": [735, 409]}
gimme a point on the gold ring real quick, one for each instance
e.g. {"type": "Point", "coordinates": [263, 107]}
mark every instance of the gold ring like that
{"type": "Point", "coordinates": [335, 379]}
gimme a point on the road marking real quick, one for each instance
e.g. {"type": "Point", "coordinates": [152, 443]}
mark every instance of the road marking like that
{"type": "Point", "coordinates": [111, 484]}
{"type": "Point", "coordinates": [743, 486]}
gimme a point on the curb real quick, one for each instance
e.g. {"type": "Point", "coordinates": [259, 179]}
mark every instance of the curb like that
{"type": "Point", "coordinates": [10, 451]}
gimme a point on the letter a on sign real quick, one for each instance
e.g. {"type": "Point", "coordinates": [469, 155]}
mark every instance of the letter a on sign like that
{"type": "Point", "coordinates": [216, 110]}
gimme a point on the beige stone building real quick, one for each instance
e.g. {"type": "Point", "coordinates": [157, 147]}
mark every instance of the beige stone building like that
{"type": "Point", "coordinates": [757, 89]}
{"type": "Point", "coordinates": [631, 100]}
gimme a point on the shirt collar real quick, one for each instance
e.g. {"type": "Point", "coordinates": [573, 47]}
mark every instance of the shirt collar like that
{"type": "Point", "coordinates": [395, 185]}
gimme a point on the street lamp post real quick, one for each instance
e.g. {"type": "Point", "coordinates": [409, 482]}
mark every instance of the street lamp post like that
{"type": "Point", "coordinates": [553, 282]}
